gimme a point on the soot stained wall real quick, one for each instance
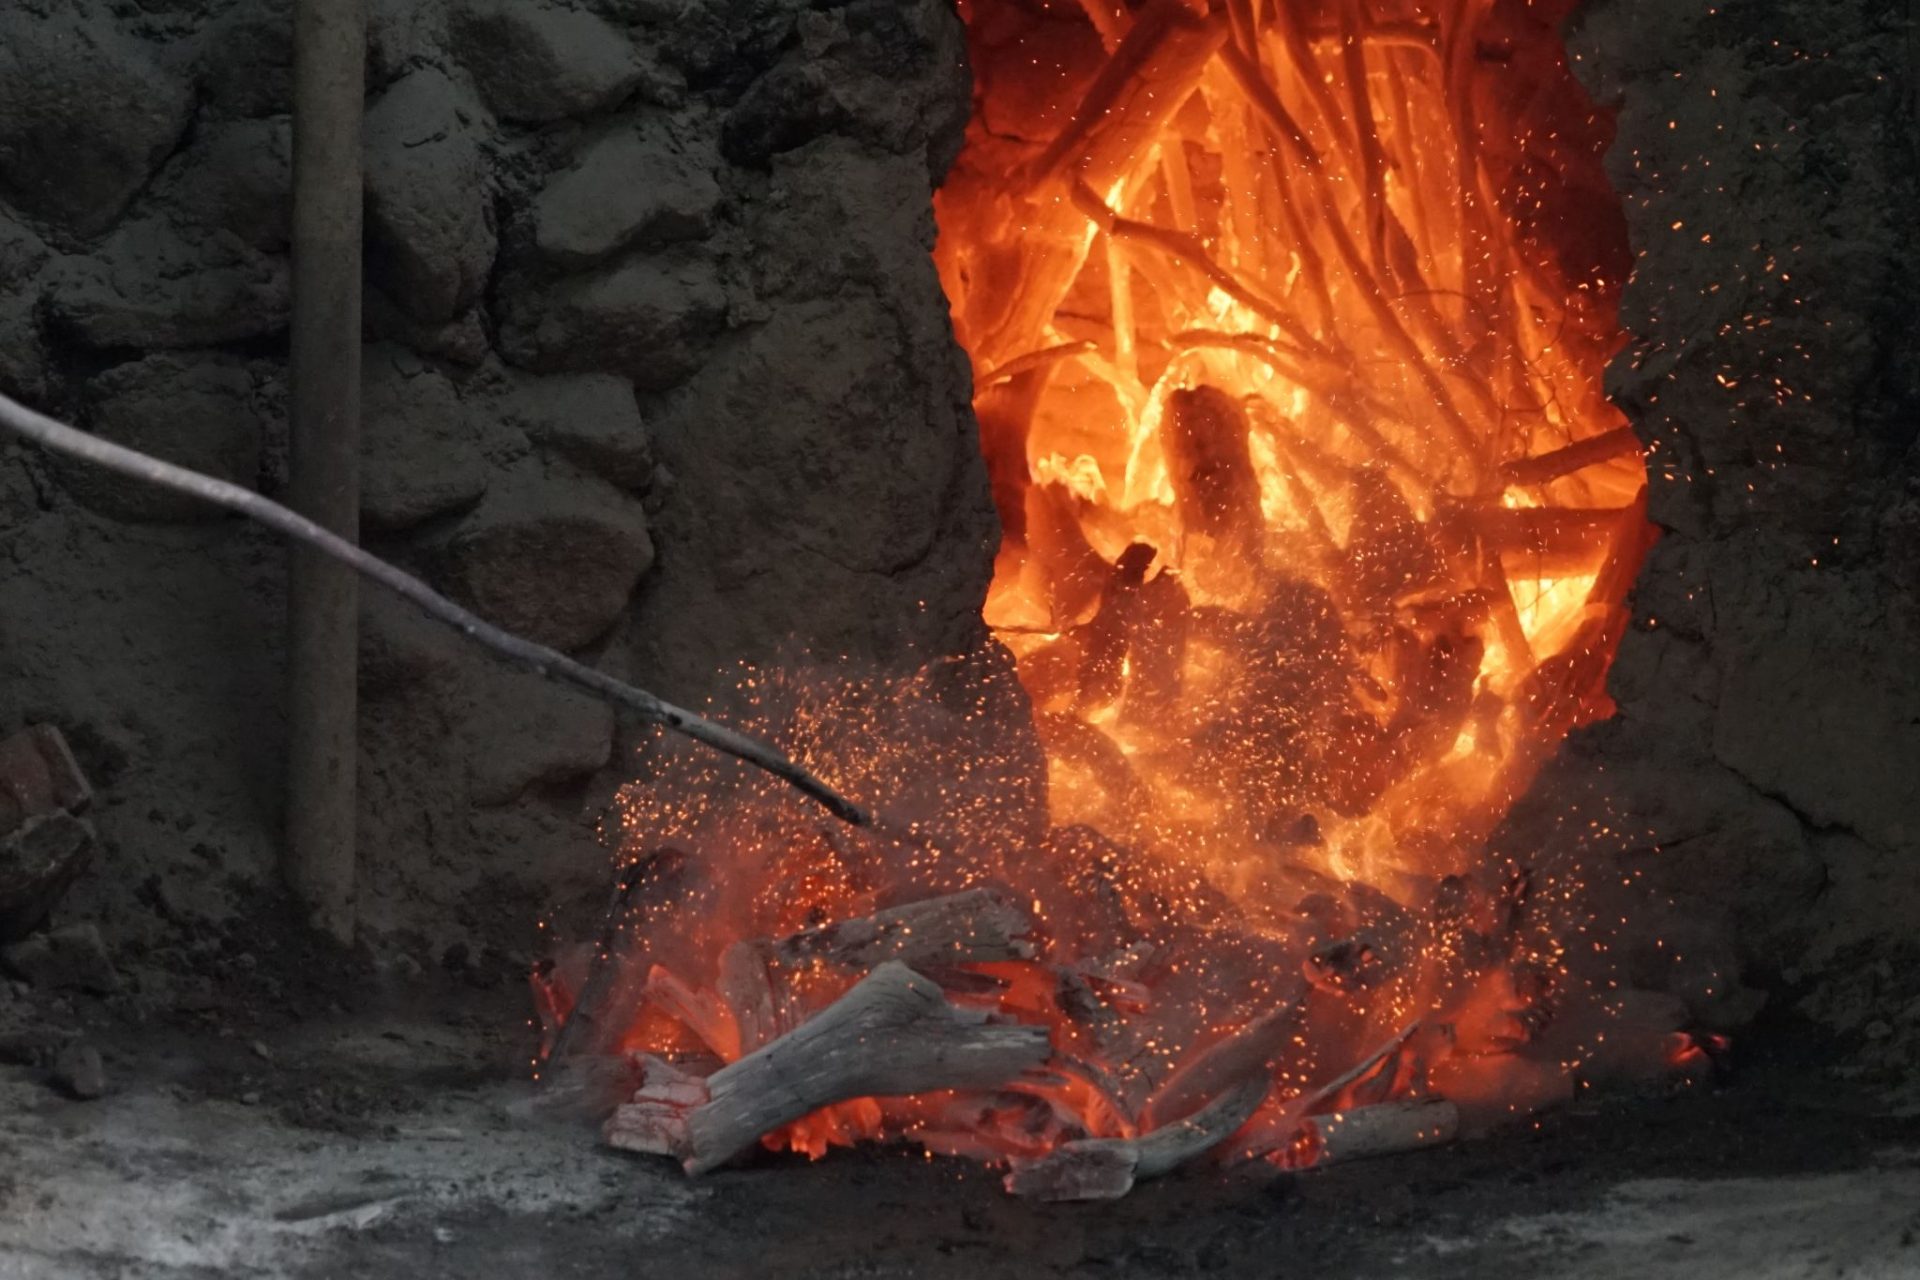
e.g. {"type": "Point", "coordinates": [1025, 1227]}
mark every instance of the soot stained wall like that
{"type": "Point", "coordinates": [658, 371]}
{"type": "Point", "coordinates": [1763, 773]}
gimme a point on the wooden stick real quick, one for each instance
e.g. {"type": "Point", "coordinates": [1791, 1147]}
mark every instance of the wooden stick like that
{"type": "Point", "coordinates": [1247, 1054]}
{"type": "Point", "coordinates": [893, 1034]}
{"type": "Point", "coordinates": [323, 596]}
{"type": "Point", "coordinates": [1578, 456]}
{"type": "Point", "coordinates": [1386, 1129]}
{"type": "Point", "coordinates": [537, 658]}
{"type": "Point", "coordinates": [976, 926]}
{"type": "Point", "coordinates": [1108, 1168]}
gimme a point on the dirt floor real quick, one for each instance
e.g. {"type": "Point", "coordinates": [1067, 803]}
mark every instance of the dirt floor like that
{"type": "Point", "coordinates": [359, 1124]}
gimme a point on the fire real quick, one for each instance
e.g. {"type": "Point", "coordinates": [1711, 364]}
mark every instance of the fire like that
{"type": "Point", "coordinates": [1288, 326]}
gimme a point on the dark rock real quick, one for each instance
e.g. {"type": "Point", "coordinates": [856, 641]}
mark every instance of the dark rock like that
{"type": "Point", "coordinates": [420, 447]}
{"type": "Point", "coordinates": [38, 774]}
{"type": "Point", "coordinates": [648, 318]}
{"type": "Point", "coordinates": [67, 959]}
{"type": "Point", "coordinates": [430, 231]}
{"type": "Point", "coordinates": [401, 35]}
{"type": "Point", "coordinates": [523, 733]}
{"type": "Point", "coordinates": [888, 73]}
{"type": "Point", "coordinates": [155, 284]}
{"type": "Point", "coordinates": [23, 357]}
{"type": "Point", "coordinates": [590, 419]}
{"type": "Point", "coordinates": [553, 560]}
{"type": "Point", "coordinates": [236, 175]}
{"type": "Point", "coordinates": [86, 116]}
{"type": "Point", "coordinates": [462, 341]}
{"type": "Point", "coordinates": [39, 859]}
{"type": "Point", "coordinates": [245, 64]}
{"type": "Point", "coordinates": [194, 410]}
{"type": "Point", "coordinates": [399, 645]}
{"type": "Point", "coordinates": [79, 1072]}
{"type": "Point", "coordinates": [538, 62]}
{"type": "Point", "coordinates": [794, 419]}
{"type": "Point", "coordinates": [643, 182]}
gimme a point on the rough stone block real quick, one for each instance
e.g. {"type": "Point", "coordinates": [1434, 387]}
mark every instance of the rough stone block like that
{"type": "Point", "coordinates": [69, 959]}
{"type": "Point", "coordinates": [641, 183]}
{"type": "Point", "coordinates": [590, 419]}
{"type": "Point", "coordinates": [38, 774]}
{"type": "Point", "coordinates": [420, 446]}
{"type": "Point", "coordinates": [549, 559]}
{"type": "Point", "coordinates": [429, 198]}
{"type": "Point", "coordinates": [155, 284]}
{"type": "Point", "coordinates": [195, 410]}
{"type": "Point", "coordinates": [539, 62]}
{"type": "Point", "coordinates": [39, 859]}
{"type": "Point", "coordinates": [648, 318]}
{"type": "Point", "coordinates": [236, 175]}
{"type": "Point", "coordinates": [86, 116]}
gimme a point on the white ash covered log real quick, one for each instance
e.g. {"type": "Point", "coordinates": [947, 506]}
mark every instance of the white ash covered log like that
{"type": "Point", "coordinates": [893, 1034]}
{"type": "Point", "coordinates": [1108, 1168]}
{"type": "Point", "coordinates": [1385, 1129]}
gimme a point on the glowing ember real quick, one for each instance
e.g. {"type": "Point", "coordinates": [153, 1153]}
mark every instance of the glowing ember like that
{"type": "Point", "coordinates": [1288, 327]}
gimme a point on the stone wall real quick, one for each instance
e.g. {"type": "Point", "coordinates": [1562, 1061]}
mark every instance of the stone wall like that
{"type": "Point", "coordinates": [658, 371]}
{"type": "Point", "coordinates": [1763, 773]}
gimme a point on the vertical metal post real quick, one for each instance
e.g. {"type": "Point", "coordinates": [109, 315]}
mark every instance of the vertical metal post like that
{"type": "Point", "coordinates": [330, 40]}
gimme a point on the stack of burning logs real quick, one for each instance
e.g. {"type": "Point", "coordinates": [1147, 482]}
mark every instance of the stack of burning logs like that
{"type": "Point", "coordinates": [967, 1025]}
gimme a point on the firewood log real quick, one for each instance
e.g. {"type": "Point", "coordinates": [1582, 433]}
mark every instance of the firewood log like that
{"type": "Point", "coordinates": [893, 1034]}
{"type": "Point", "coordinates": [1108, 1168]}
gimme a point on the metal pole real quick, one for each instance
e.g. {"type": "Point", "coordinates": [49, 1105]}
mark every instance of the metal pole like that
{"type": "Point", "coordinates": [330, 41]}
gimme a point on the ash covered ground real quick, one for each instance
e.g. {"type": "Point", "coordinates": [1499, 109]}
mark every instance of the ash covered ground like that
{"type": "Point", "coordinates": [313, 1116]}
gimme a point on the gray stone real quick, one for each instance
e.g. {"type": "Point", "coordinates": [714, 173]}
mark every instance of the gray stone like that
{"type": "Point", "coordinates": [23, 356]}
{"type": "Point", "coordinates": [400, 646]}
{"type": "Point", "coordinates": [245, 62]}
{"type": "Point", "coordinates": [463, 340]}
{"type": "Point", "coordinates": [156, 284]}
{"type": "Point", "coordinates": [430, 233]}
{"type": "Point", "coordinates": [648, 318]}
{"type": "Point", "coordinates": [1822, 709]}
{"type": "Point", "coordinates": [522, 733]}
{"type": "Point", "coordinates": [68, 959]}
{"type": "Point", "coordinates": [237, 176]}
{"type": "Point", "coordinates": [891, 73]}
{"type": "Point", "coordinates": [538, 61]}
{"type": "Point", "coordinates": [86, 116]}
{"type": "Point", "coordinates": [39, 860]}
{"type": "Point", "coordinates": [403, 34]}
{"type": "Point", "coordinates": [79, 1072]}
{"type": "Point", "coordinates": [420, 448]}
{"type": "Point", "coordinates": [196, 410]}
{"type": "Point", "coordinates": [805, 425]}
{"type": "Point", "coordinates": [590, 419]}
{"type": "Point", "coordinates": [640, 183]}
{"type": "Point", "coordinates": [549, 558]}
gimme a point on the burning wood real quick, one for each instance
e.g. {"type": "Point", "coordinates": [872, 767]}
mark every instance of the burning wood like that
{"type": "Point", "coordinates": [1386, 1129]}
{"type": "Point", "coordinates": [962, 928]}
{"type": "Point", "coordinates": [1108, 1168]}
{"type": "Point", "coordinates": [893, 1033]}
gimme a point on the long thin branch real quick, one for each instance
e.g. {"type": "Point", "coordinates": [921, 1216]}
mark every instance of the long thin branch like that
{"type": "Point", "coordinates": [537, 658]}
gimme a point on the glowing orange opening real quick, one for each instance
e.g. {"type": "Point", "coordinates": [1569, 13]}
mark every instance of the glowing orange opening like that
{"type": "Point", "coordinates": [1288, 325]}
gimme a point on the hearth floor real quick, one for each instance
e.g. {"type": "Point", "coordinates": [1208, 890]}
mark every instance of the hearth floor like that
{"type": "Point", "coordinates": [399, 1146]}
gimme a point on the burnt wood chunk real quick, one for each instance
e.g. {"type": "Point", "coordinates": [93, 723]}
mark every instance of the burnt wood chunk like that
{"type": "Point", "coordinates": [892, 1034]}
